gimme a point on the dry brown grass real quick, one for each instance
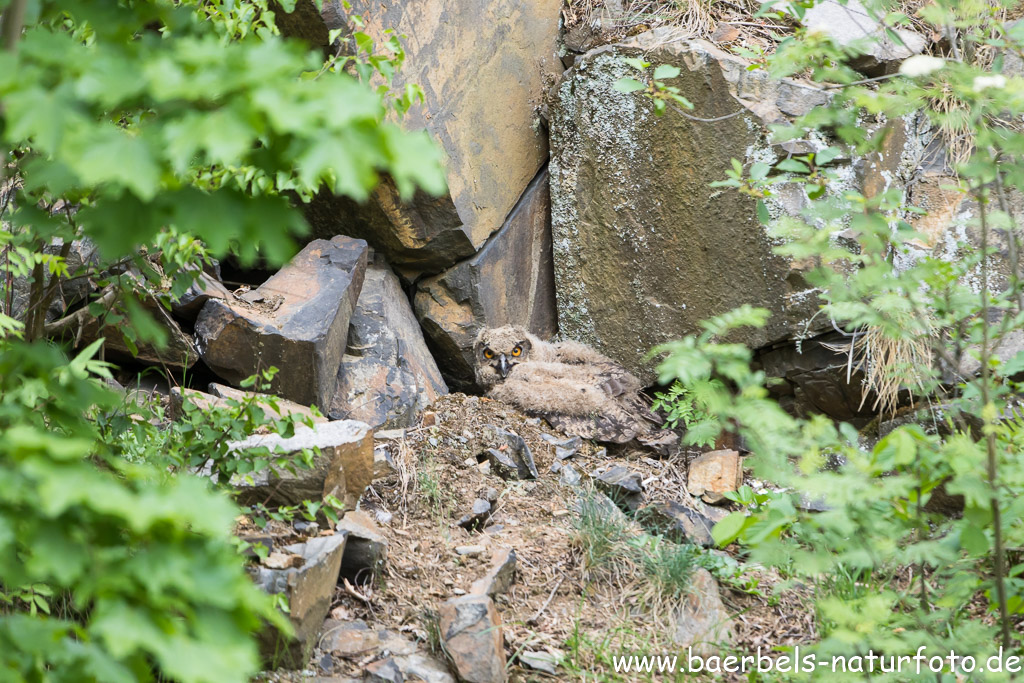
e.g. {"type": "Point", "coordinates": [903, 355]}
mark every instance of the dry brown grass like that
{"type": "Point", "coordinates": [891, 368]}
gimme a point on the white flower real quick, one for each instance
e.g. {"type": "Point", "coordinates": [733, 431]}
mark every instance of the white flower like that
{"type": "Point", "coordinates": [921, 65]}
{"type": "Point", "coordinates": [994, 81]}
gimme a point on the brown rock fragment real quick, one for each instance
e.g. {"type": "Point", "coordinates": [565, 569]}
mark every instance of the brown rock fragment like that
{"type": "Point", "coordinates": [715, 472]}
{"type": "Point", "coordinates": [471, 633]}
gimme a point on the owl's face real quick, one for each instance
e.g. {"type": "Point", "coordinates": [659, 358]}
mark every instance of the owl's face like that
{"type": "Point", "coordinates": [498, 351]}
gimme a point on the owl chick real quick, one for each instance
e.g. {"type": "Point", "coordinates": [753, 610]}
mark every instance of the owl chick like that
{"type": "Point", "coordinates": [576, 389]}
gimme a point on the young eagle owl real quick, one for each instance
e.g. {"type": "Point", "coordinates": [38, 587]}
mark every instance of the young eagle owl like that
{"type": "Point", "coordinates": [573, 387]}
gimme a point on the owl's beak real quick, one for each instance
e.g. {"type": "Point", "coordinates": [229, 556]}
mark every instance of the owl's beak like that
{"type": "Point", "coordinates": [503, 366]}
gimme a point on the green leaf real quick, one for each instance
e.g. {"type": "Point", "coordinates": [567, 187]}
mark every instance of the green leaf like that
{"type": "Point", "coordinates": [763, 215]}
{"type": "Point", "coordinates": [666, 71]}
{"type": "Point", "coordinates": [826, 155]}
{"type": "Point", "coordinates": [729, 529]}
{"type": "Point", "coordinates": [628, 85]}
{"type": "Point", "coordinates": [636, 63]}
{"type": "Point", "coordinates": [114, 156]}
{"type": "Point", "coordinates": [759, 170]}
{"type": "Point", "coordinates": [793, 166]}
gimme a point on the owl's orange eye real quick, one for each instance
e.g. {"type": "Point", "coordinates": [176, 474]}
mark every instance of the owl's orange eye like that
{"type": "Point", "coordinates": [517, 351]}
{"type": "Point", "coordinates": [488, 354]}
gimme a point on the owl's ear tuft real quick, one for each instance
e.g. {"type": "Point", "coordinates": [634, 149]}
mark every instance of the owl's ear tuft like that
{"type": "Point", "coordinates": [525, 344]}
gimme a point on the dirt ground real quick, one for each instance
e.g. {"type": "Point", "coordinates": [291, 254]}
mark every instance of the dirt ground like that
{"type": "Point", "coordinates": [557, 603]}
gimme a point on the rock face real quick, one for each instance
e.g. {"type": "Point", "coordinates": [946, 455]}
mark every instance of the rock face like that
{"type": "Point", "coordinates": [387, 375]}
{"type": "Point", "coordinates": [643, 248]}
{"type": "Point", "coordinates": [482, 66]}
{"type": "Point", "coordinates": [509, 282]}
{"type": "Point", "coordinates": [343, 469]}
{"type": "Point", "coordinates": [815, 379]}
{"type": "Point", "coordinates": [296, 321]}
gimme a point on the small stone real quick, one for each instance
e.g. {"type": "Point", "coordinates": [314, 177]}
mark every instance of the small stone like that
{"type": "Point", "coordinates": [389, 435]}
{"type": "Point", "coordinates": [500, 575]}
{"type": "Point", "coordinates": [470, 550]}
{"type": "Point", "coordinates": [429, 418]}
{"type": "Point", "coordinates": [716, 472]}
{"type": "Point", "coordinates": [556, 467]}
{"type": "Point", "coordinates": [540, 661]}
{"type": "Point", "coordinates": [677, 523]}
{"type": "Point", "coordinates": [517, 450]}
{"type": "Point", "coordinates": [417, 667]}
{"type": "Point", "coordinates": [471, 634]}
{"type": "Point", "coordinates": [569, 476]}
{"type": "Point", "coordinates": [564, 453]}
{"type": "Point", "coordinates": [477, 518]}
{"type": "Point", "coordinates": [351, 639]}
{"type": "Point", "coordinates": [502, 465]}
{"type": "Point", "coordinates": [712, 498]}
{"type": "Point", "coordinates": [490, 494]}
{"type": "Point", "coordinates": [622, 486]}
{"type": "Point", "coordinates": [458, 591]}
{"type": "Point", "coordinates": [564, 448]}
{"type": "Point", "coordinates": [383, 671]}
{"type": "Point", "coordinates": [701, 621]}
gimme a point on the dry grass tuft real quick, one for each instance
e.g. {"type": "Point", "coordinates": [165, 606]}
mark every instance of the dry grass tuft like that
{"type": "Point", "coordinates": [890, 367]}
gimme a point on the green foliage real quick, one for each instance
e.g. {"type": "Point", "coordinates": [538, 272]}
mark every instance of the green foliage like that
{"type": "Point", "coordinates": [613, 546]}
{"type": "Point", "coordinates": [166, 134]}
{"type": "Point", "coordinates": [892, 571]}
{"type": "Point", "coordinates": [685, 406]}
{"type": "Point", "coordinates": [144, 561]}
{"type": "Point", "coordinates": [653, 84]}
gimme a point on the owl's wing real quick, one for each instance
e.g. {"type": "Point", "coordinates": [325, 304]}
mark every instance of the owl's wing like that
{"type": "Point", "coordinates": [596, 427]}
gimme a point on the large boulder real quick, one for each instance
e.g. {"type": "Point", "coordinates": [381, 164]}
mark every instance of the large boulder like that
{"type": "Point", "coordinates": [482, 65]}
{"type": "Point", "coordinates": [296, 321]}
{"type": "Point", "coordinates": [509, 282]}
{"type": "Point", "coordinates": [387, 375]}
{"type": "Point", "coordinates": [643, 248]}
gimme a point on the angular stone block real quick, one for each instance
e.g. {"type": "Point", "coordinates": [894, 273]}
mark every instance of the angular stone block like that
{"type": "Point", "coordinates": [296, 321]}
{"type": "Point", "coordinates": [715, 472]}
{"type": "Point", "coordinates": [343, 469]}
{"type": "Point", "coordinates": [387, 375]}
{"type": "Point", "coordinates": [509, 282]}
{"type": "Point", "coordinates": [310, 589]}
{"type": "Point", "coordinates": [471, 634]}
{"type": "Point", "coordinates": [221, 394]}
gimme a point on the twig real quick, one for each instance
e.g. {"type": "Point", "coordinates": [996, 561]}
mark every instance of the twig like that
{"type": "Point", "coordinates": [700, 120]}
{"type": "Point", "coordinates": [350, 590]}
{"type": "Point", "coordinates": [535, 617]}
